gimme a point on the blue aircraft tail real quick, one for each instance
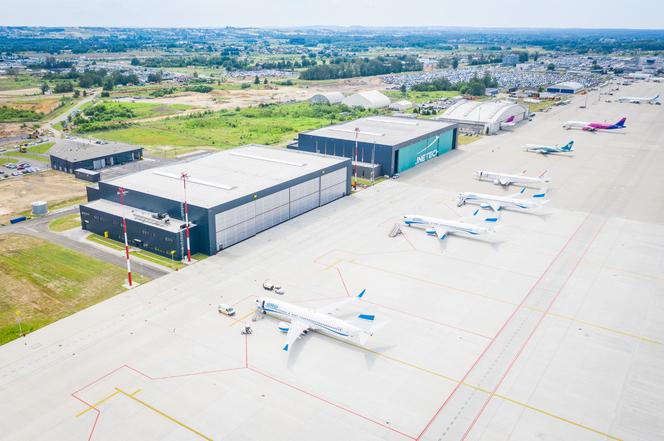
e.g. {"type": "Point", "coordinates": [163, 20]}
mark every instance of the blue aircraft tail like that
{"type": "Point", "coordinates": [621, 123]}
{"type": "Point", "coordinates": [568, 147]}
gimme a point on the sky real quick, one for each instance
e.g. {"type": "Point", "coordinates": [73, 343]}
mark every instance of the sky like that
{"type": "Point", "coordinates": [638, 14]}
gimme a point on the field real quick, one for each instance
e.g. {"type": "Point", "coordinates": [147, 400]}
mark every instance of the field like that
{"type": "Point", "coordinates": [65, 223]}
{"type": "Point", "coordinates": [140, 109]}
{"type": "Point", "coordinates": [17, 194]}
{"type": "Point", "coordinates": [41, 148]}
{"type": "Point", "coordinates": [42, 282]}
{"type": "Point", "coordinates": [18, 82]}
{"type": "Point", "coordinates": [262, 125]}
{"type": "Point", "coordinates": [538, 107]}
{"type": "Point", "coordinates": [142, 254]}
{"type": "Point", "coordinates": [421, 97]}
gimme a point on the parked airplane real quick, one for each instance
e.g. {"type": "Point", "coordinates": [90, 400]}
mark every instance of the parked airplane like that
{"type": "Point", "coordinates": [303, 320]}
{"type": "Point", "coordinates": [442, 227]}
{"type": "Point", "coordinates": [505, 179]}
{"type": "Point", "coordinates": [497, 203]}
{"type": "Point", "coordinates": [640, 99]}
{"type": "Point", "coordinates": [594, 126]}
{"type": "Point", "coordinates": [509, 122]}
{"type": "Point", "coordinates": [546, 150]}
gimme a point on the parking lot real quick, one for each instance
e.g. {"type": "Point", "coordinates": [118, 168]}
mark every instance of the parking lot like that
{"type": "Point", "coordinates": [550, 329]}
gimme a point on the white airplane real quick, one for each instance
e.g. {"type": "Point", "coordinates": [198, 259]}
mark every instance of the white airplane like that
{"type": "Point", "coordinates": [547, 150]}
{"type": "Point", "coordinates": [442, 227]}
{"type": "Point", "coordinates": [497, 203]}
{"type": "Point", "coordinates": [303, 320]}
{"type": "Point", "coordinates": [505, 179]}
{"type": "Point", "coordinates": [594, 126]}
{"type": "Point", "coordinates": [640, 99]}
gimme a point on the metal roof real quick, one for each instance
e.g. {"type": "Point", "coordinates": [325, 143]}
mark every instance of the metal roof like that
{"type": "Point", "coordinates": [227, 175]}
{"type": "Point", "coordinates": [384, 130]}
{"type": "Point", "coordinates": [568, 85]}
{"type": "Point", "coordinates": [134, 214]}
{"type": "Point", "coordinates": [80, 150]}
{"type": "Point", "coordinates": [482, 111]}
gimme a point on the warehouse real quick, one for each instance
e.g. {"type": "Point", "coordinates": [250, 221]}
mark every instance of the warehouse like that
{"type": "Point", "coordinates": [68, 155]}
{"type": "Point", "coordinates": [372, 99]}
{"type": "Point", "coordinates": [231, 196]}
{"type": "Point", "coordinates": [327, 98]}
{"type": "Point", "coordinates": [568, 87]}
{"type": "Point", "coordinates": [484, 117]}
{"type": "Point", "coordinates": [396, 143]}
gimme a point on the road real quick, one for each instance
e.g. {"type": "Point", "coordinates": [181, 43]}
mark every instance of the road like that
{"type": "Point", "coordinates": [50, 124]}
{"type": "Point", "coordinates": [39, 228]}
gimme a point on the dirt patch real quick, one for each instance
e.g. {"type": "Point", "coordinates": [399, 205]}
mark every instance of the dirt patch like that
{"type": "Point", "coordinates": [17, 194]}
{"type": "Point", "coordinates": [43, 105]}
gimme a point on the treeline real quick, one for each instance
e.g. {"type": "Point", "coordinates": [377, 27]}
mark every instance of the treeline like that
{"type": "Point", "coordinates": [51, 63]}
{"type": "Point", "coordinates": [362, 68]}
{"type": "Point", "coordinates": [11, 114]}
{"type": "Point", "coordinates": [93, 78]}
{"type": "Point", "coordinates": [225, 61]}
{"type": "Point", "coordinates": [476, 86]}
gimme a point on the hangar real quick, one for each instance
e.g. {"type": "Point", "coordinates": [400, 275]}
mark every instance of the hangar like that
{"type": "Point", "coordinates": [395, 143]}
{"type": "Point", "coordinates": [568, 87]}
{"type": "Point", "coordinates": [372, 99]}
{"type": "Point", "coordinates": [327, 98]}
{"type": "Point", "coordinates": [484, 117]}
{"type": "Point", "coordinates": [231, 196]}
{"type": "Point", "coordinates": [69, 155]}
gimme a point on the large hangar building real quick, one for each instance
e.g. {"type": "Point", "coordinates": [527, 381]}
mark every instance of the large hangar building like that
{"type": "Point", "coordinates": [231, 195]}
{"type": "Point", "coordinates": [394, 143]}
{"type": "Point", "coordinates": [485, 117]}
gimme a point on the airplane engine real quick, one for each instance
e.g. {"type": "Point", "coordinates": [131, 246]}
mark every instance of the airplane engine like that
{"type": "Point", "coordinates": [430, 231]}
{"type": "Point", "coordinates": [284, 326]}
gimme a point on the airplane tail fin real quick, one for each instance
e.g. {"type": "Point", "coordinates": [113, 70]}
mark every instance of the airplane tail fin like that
{"type": "Point", "coordinates": [621, 123]}
{"type": "Point", "coordinates": [569, 147]}
{"type": "Point", "coordinates": [541, 195]}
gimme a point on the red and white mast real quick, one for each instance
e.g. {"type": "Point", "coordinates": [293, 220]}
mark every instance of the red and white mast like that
{"type": "Point", "coordinates": [122, 192]}
{"type": "Point", "coordinates": [184, 177]}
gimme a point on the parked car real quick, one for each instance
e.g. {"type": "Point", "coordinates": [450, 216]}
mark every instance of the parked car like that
{"type": "Point", "coordinates": [226, 309]}
{"type": "Point", "coordinates": [10, 165]}
{"type": "Point", "coordinates": [268, 285]}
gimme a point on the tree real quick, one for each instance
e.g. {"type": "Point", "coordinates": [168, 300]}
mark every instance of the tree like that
{"type": "Point", "coordinates": [257, 80]}
{"type": "Point", "coordinates": [155, 77]}
{"type": "Point", "coordinates": [135, 61]}
{"type": "Point", "coordinates": [551, 66]}
{"type": "Point", "coordinates": [523, 57]}
{"type": "Point", "coordinates": [77, 93]}
{"type": "Point", "coordinates": [195, 74]}
{"type": "Point", "coordinates": [44, 88]}
{"type": "Point", "coordinates": [265, 81]}
{"type": "Point", "coordinates": [64, 87]}
{"type": "Point", "coordinates": [404, 90]}
{"type": "Point", "coordinates": [455, 63]}
{"type": "Point", "coordinates": [108, 85]}
{"type": "Point", "coordinates": [535, 56]}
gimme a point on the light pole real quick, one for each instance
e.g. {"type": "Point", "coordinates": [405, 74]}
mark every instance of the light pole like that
{"type": "Point", "coordinates": [185, 176]}
{"type": "Point", "coordinates": [122, 192]}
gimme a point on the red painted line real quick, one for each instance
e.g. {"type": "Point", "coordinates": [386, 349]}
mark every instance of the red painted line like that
{"type": "Point", "coordinates": [409, 242]}
{"type": "Point", "coordinates": [343, 281]}
{"type": "Point", "coordinates": [98, 379]}
{"type": "Point", "coordinates": [246, 351]}
{"type": "Point", "coordinates": [539, 322]}
{"type": "Point", "coordinates": [338, 406]}
{"type": "Point", "coordinates": [493, 339]}
{"type": "Point", "coordinates": [243, 299]}
{"type": "Point", "coordinates": [94, 424]}
{"type": "Point", "coordinates": [428, 320]}
{"type": "Point", "coordinates": [188, 374]}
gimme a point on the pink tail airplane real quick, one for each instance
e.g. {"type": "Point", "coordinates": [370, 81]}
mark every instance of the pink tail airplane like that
{"type": "Point", "coordinates": [593, 126]}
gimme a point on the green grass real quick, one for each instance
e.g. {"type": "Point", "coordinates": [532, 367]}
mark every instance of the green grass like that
{"type": "Point", "coordinates": [538, 107]}
{"type": "Point", "coordinates": [421, 97]}
{"type": "Point", "coordinates": [367, 182]}
{"type": "Point", "coordinates": [57, 205]}
{"type": "Point", "coordinates": [45, 282]}
{"type": "Point", "coordinates": [4, 160]}
{"type": "Point", "coordinates": [142, 254]}
{"type": "Point", "coordinates": [11, 114]}
{"type": "Point", "coordinates": [467, 139]}
{"type": "Point", "coordinates": [20, 155]}
{"type": "Point", "coordinates": [41, 148]}
{"type": "Point", "coordinates": [273, 124]}
{"type": "Point", "coordinates": [19, 82]}
{"type": "Point", "coordinates": [65, 223]}
{"type": "Point", "coordinates": [139, 109]}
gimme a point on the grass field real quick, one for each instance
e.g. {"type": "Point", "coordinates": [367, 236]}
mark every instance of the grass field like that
{"type": "Point", "coordinates": [65, 223]}
{"type": "Point", "coordinates": [41, 148]}
{"type": "Point", "coordinates": [140, 110]}
{"type": "Point", "coordinates": [42, 282]}
{"type": "Point", "coordinates": [467, 139]}
{"type": "Point", "coordinates": [538, 107]}
{"type": "Point", "coordinates": [273, 124]}
{"type": "Point", "coordinates": [19, 156]}
{"type": "Point", "coordinates": [19, 82]}
{"type": "Point", "coordinates": [421, 97]}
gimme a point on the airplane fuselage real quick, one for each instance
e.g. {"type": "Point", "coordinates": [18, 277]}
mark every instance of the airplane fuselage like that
{"type": "Point", "coordinates": [590, 126]}
{"type": "Point", "coordinates": [452, 227]}
{"type": "Point", "coordinates": [508, 179]}
{"type": "Point", "coordinates": [492, 201]}
{"type": "Point", "coordinates": [316, 321]}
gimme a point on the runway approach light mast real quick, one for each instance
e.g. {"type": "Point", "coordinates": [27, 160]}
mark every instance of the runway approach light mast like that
{"type": "Point", "coordinates": [184, 177]}
{"type": "Point", "coordinates": [122, 192]}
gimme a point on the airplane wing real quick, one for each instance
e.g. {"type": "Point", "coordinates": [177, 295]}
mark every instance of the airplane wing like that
{"type": "Point", "coordinates": [504, 181]}
{"type": "Point", "coordinates": [295, 329]}
{"type": "Point", "coordinates": [327, 309]}
{"type": "Point", "coordinates": [441, 232]}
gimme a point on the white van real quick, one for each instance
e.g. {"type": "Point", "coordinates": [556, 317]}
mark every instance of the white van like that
{"type": "Point", "coordinates": [226, 309]}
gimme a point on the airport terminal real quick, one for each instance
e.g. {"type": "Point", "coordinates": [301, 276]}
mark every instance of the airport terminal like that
{"type": "Point", "coordinates": [231, 196]}
{"type": "Point", "coordinates": [395, 144]}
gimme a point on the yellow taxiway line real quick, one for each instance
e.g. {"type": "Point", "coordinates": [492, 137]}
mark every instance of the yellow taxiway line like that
{"type": "Point", "coordinates": [164, 414]}
{"type": "Point", "coordinates": [102, 401]}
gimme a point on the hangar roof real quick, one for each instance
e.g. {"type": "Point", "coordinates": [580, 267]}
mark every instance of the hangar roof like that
{"type": "Point", "coordinates": [78, 150]}
{"type": "Point", "coordinates": [226, 176]}
{"type": "Point", "coordinates": [385, 130]}
{"type": "Point", "coordinates": [482, 111]}
{"type": "Point", "coordinates": [569, 85]}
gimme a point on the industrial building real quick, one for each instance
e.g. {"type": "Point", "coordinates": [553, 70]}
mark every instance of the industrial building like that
{"type": "Point", "coordinates": [231, 196]}
{"type": "Point", "coordinates": [372, 99]}
{"type": "Point", "coordinates": [327, 98]}
{"type": "Point", "coordinates": [68, 155]}
{"type": "Point", "coordinates": [484, 117]}
{"type": "Point", "coordinates": [395, 143]}
{"type": "Point", "coordinates": [567, 87]}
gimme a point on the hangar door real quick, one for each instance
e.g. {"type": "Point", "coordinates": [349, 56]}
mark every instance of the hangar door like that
{"type": "Point", "coordinates": [235, 225]}
{"type": "Point", "coordinates": [304, 197]}
{"type": "Point", "coordinates": [272, 210]}
{"type": "Point", "coordinates": [333, 186]}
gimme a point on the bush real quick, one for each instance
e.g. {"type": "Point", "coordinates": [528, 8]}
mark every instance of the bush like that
{"type": "Point", "coordinates": [200, 88]}
{"type": "Point", "coordinates": [12, 114]}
